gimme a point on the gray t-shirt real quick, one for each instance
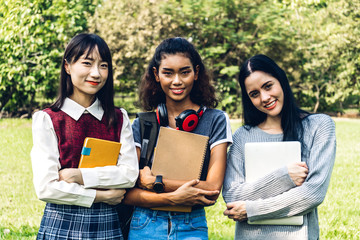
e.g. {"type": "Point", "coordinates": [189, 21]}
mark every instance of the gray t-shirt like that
{"type": "Point", "coordinates": [213, 123]}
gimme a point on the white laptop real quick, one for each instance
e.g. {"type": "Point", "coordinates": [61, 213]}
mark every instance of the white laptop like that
{"type": "Point", "coordinates": [262, 158]}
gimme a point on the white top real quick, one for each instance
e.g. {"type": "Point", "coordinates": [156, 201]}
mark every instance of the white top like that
{"type": "Point", "coordinates": [46, 165]}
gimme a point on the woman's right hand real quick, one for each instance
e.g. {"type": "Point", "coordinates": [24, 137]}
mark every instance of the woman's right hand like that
{"type": "Point", "coordinates": [189, 195]}
{"type": "Point", "coordinates": [146, 179]}
{"type": "Point", "coordinates": [110, 196]}
{"type": "Point", "coordinates": [298, 172]}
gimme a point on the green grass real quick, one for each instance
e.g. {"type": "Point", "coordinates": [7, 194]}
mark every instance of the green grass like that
{"type": "Point", "coordinates": [21, 212]}
{"type": "Point", "coordinates": [340, 212]}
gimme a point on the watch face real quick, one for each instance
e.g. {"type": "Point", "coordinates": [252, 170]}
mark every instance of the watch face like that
{"type": "Point", "coordinates": [158, 187]}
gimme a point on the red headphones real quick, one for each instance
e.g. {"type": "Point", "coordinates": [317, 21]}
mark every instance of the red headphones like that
{"type": "Point", "coordinates": [186, 121]}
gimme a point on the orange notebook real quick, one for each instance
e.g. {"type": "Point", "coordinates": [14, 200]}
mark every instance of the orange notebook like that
{"type": "Point", "coordinates": [99, 153]}
{"type": "Point", "coordinates": [179, 155]}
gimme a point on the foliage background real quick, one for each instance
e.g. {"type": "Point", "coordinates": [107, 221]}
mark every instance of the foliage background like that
{"type": "Point", "coordinates": [315, 41]}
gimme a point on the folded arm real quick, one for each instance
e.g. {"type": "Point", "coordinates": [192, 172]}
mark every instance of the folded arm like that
{"type": "Point", "coordinates": [182, 192]}
{"type": "Point", "coordinates": [301, 199]}
{"type": "Point", "coordinates": [46, 166]}
{"type": "Point", "coordinates": [213, 181]}
{"type": "Point", "coordinates": [73, 186]}
{"type": "Point", "coordinates": [237, 189]}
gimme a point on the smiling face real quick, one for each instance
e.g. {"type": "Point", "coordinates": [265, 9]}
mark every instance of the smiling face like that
{"type": "Point", "coordinates": [88, 75]}
{"type": "Point", "coordinates": [266, 93]}
{"type": "Point", "coordinates": [176, 76]}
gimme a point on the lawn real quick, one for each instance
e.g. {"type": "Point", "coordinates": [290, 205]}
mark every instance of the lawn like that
{"type": "Point", "coordinates": [20, 211]}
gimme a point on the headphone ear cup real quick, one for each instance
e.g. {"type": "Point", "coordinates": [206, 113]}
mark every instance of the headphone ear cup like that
{"type": "Point", "coordinates": [162, 115]}
{"type": "Point", "coordinates": [187, 120]}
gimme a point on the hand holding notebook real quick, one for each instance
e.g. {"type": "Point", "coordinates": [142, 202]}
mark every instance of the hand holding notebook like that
{"type": "Point", "coordinates": [179, 155]}
{"type": "Point", "coordinates": [261, 158]}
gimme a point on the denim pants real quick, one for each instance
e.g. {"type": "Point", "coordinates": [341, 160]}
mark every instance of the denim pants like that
{"type": "Point", "coordinates": [152, 224]}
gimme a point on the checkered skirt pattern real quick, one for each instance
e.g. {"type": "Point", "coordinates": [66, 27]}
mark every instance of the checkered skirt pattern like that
{"type": "Point", "coordinates": [74, 222]}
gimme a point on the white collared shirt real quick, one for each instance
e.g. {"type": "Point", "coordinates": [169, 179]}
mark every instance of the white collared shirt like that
{"type": "Point", "coordinates": [46, 165]}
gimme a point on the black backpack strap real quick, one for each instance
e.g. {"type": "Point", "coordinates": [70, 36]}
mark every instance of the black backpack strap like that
{"type": "Point", "coordinates": [149, 132]}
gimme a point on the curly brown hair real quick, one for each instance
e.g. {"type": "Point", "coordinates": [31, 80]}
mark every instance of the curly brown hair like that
{"type": "Point", "coordinates": [150, 91]}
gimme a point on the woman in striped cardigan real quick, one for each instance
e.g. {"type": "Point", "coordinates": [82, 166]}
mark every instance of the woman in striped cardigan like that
{"type": "Point", "coordinates": [270, 114]}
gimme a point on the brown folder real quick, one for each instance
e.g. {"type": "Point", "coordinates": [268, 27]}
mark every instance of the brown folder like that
{"type": "Point", "coordinates": [179, 155]}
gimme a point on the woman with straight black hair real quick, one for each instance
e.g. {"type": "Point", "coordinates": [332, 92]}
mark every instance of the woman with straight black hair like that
{"type": "Point", "coordinates": [80, 202]}
{"type": "Point", "coordinates": [271, 115]}
{"type": "Point", "coordinates": [85, 44]}
{"type": "Point", "coordinates": [292, 115]}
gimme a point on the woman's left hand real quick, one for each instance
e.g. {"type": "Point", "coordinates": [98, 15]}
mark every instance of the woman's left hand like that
{"type": "Point", "coordinates": [236, 211]}
{"type": "Point", "coordinates": [71, 175]}
{"type": "Point", "coordinates": [146, 179]}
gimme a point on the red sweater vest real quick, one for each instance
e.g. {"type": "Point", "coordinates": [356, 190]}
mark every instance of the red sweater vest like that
{"type": "Point", "coordinates": [71, 134]}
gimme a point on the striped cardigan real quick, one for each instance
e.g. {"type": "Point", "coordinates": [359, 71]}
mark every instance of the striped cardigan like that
{"type": "Point", "coordinates": [276, 195]}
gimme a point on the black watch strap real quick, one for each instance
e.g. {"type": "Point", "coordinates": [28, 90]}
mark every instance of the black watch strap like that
{"type": "Point", "coordinates": [158, 179]}
{"type": "Point", "coordinates": [158, 186]}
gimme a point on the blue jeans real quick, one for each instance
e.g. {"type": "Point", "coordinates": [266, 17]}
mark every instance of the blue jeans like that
{"type": "Point", "coordinates": [151, 224]}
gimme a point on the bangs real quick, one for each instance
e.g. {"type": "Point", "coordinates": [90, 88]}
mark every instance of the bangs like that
{"type": "Point", "coordinates": [87, 47]}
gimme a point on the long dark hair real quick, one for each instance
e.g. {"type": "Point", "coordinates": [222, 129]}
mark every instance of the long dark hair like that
{"type": "Point", "coordinates": [291, 115]}
{"type": "Point", "coordinates": [150, 92]}
{"type": "Point", "coordinates": [79, 45]}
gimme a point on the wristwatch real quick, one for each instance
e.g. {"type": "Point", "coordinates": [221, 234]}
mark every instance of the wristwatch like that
{"type": "Point", "coordinates": [158, 185]}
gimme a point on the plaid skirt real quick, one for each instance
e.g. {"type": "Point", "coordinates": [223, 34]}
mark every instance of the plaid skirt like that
{"type": "Point", "coordinates": [74, 222]}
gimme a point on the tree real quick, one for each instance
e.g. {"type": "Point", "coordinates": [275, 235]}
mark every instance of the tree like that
{"type": "Point", "coordinates": [327, 52]}
{"type": "Point", "coordinates": [132, 28]}
{"type": "Point", "coordinates": [315, 41]}
{"type": "Point", "coordinates": [225, 33]}
{"type": "Point", "coordinates": [33, 35]}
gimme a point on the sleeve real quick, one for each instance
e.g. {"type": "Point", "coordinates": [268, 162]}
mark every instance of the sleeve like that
{"type": "Point", "coordinates": [46, 166]}
{"type": "Point", "coordinates": [303, 199]}
{"type": "Point", "coordinates": [125, 174]}
{"type": "Point", "coordinates": [136, 132]}
{"type": "Point", "coordinates": [236, 189]}
{"type": "Point", "coordinates": [221, 130]}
